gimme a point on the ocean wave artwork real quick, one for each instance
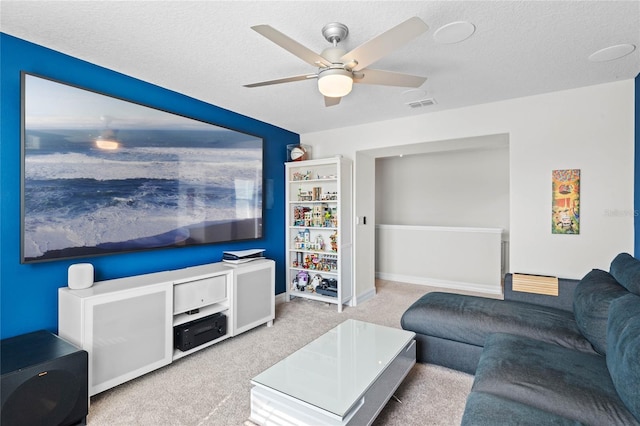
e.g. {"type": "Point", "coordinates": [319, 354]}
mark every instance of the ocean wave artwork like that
{"type": "Point", "coordinates": [102, 175]}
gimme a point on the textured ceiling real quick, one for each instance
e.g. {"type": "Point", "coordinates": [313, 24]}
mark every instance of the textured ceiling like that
{"type": "Point", "coordinates": [206, 49]}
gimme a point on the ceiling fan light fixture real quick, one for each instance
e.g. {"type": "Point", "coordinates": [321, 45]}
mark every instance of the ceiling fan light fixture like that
{"type": "Point", "coordinates": [335, 82]}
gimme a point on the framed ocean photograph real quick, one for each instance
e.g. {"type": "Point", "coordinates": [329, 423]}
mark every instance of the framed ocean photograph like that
{"type": "Point", "coordinates": [103, 175]}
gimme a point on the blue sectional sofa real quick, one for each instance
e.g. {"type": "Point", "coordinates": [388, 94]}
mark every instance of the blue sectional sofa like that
{"type": "Point", "coordinates": [538, 360]}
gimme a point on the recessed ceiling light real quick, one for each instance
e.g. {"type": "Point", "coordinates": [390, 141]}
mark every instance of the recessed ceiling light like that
{"type": "Point", "coordinates": [413, 95]}
{"type": "Point", "coordinates": [454, 32]}
{"type": "Point", "coordinates": [612, 52]}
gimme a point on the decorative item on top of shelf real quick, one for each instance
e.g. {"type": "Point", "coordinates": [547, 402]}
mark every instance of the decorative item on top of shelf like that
{"type": "Point", "coordinates": [298, 176]}
{"type": "Point", "coordinates": [80, 276]}
{"type": "Point", "coordinates": [319, 243]}
{"type": "Point", "coordinates": [303, 242]}
{"type": "Point", "coordinates": [331, 221]}
{"type": "Point", "coordinates": [300, 281]}
{"type": "Point", "coordinates": [316, 281]}
{"type": "Point", "coordinates": [312, 261]}
{"type": "Point", "coordinates": [299, 213]}
{"type": "Point", "coordinates": [328, 287]}
{"type": "Point", "coordinates": [318, 214]}
{"type": "Point", "coordinates": [327, 177]}
{"type": "Point", "coordinates": [334, 241]}
{"type": "Point", "coordinates": [304, 195]}
{"type": "Point", "coordinates": [298, 152]}
{"type": "Point", "coordinates": [329, 196]}
{"type": "Point", "coordinates": [317, 190]}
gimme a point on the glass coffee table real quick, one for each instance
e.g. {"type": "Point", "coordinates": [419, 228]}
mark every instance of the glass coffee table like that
{"type": "Point", "coordinates": [346, 376]}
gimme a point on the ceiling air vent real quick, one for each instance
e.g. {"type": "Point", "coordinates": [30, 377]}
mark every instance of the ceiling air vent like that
{"type": "Point", "coordinates": [422, 103]}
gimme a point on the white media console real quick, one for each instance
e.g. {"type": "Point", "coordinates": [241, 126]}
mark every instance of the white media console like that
{"type": "Point", "coordinates": [127, 324]}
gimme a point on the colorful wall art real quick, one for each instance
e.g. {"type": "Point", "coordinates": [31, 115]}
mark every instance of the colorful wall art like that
{"type": "Point", "coordinates": [565, 217]}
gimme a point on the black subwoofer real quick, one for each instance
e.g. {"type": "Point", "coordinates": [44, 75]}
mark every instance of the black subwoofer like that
{"type": "Point", "coordinates": [44, 381]}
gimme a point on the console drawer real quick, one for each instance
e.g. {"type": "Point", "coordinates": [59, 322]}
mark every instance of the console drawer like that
{"type": "Point", "coordinates": [198, 293]}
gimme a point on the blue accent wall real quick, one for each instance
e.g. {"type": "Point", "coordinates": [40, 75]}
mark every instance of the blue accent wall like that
{"type": "Point", "coordinates": [637, 174]}
{"type": "Point", "coordinates": [28, 293]}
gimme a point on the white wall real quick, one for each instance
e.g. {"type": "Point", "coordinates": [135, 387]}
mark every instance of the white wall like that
{"type": "Point", "coordinates": [364, 243]}
{"type": "Point", "coordinates": [461, 258]}
{"type": "Point", "coordinates": [447, 188]}
{"type": "Point", "coordinates": [590, 128]}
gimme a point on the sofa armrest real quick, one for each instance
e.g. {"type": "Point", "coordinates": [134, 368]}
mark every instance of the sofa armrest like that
{"type": "Point", "coordinates": [564, 299]}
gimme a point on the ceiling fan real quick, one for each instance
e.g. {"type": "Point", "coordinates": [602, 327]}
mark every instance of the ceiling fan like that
{"type": "Point", "coordinates": [337, 69]}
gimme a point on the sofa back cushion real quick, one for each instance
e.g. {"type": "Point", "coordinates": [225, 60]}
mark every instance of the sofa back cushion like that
{"type": "Point", "coordinates": [591, 301]}
{"type": "Point", "coordinates": [626, 270]}
{"type": "Point", "coordinates": [623, 350]}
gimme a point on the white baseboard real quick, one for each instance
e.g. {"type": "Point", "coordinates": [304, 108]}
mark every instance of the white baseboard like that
{"type": "Point", "coordinates": [433, 282]}
{"type": "Point", "coordinates": [365, 296]}
{"type": "Point", "coordinates": [281, 298]}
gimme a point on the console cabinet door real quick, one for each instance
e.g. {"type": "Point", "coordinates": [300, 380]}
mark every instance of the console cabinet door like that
{"type": "Point", "coordinates": [127, 335]}
{"type": "Point", "coordinates": [253, 295]}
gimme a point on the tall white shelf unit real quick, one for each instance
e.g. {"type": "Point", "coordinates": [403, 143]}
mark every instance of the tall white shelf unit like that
{"type": "Point", "coordinates": [127, 324]}
{"type": "Point", "coordinates": [318, 227]}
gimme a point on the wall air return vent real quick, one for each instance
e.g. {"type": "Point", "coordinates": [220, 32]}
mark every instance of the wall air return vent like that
{"type": "Point", "coordinates": [422, 103]}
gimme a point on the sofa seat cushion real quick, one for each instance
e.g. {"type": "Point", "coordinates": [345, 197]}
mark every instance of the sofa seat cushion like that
{"type": "Point", "coordinates": [471, 319]}
{"type": "Point", "coordinates": [623, 349]}
{"type": "Point", "coordinates": [591, 301]}
{"type": "Point", "coordinates": [447, 353]}
{"type": "Point", "coordinates": [484, 409]}
{"type": "Point", "coordinates": [626, 270]}
{"type": "Point", "coordinates": [571, 384]}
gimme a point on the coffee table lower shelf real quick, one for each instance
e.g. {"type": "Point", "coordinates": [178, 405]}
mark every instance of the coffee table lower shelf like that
{"type": "Point", "coordinates": [270, 407]}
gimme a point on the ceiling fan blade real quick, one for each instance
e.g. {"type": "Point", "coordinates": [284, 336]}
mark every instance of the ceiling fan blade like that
{"type": "Point", "coordinates": [287, 43]}
{"type": "Point", "coordinates": [388, 78]}
{"type": "Point", "coordinates": [385, 43]}
{"type": "Point", "coordinates": [283, 80]}
{"type": "Point", "coordinates": [331, 101]}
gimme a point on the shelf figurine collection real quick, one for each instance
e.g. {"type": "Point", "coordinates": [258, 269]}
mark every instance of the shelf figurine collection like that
{"type": "Point", "coordinates": [315, 261]}
{"type": "Point", "coordinates": [318, 216]}
{"type": "Point", "coordinates": [308, 175]}
{"type": "Point", "coordinates": [316, 284]}
{"type": "Point", "coordinates": [303, 241]}
{"type": "Point", "coordinates": [316, 194]}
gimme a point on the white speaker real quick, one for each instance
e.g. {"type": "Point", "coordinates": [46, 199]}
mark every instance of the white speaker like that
{"type": "Point", "coordinates": [80, 276]}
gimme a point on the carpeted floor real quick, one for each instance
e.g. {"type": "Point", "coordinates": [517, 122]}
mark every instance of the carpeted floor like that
{"type": "Point", "coordinates": [211, 387]}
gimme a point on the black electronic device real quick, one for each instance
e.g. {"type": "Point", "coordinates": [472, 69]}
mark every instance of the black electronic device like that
{"type": "Point", "coordinates": [195, 333]}
{"type": "Point", "coordinates": [328, 287]}
{"type": "Point", "coordinates": [327, 292]}
{"type": "Point", "coordinates": [45, 381]}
